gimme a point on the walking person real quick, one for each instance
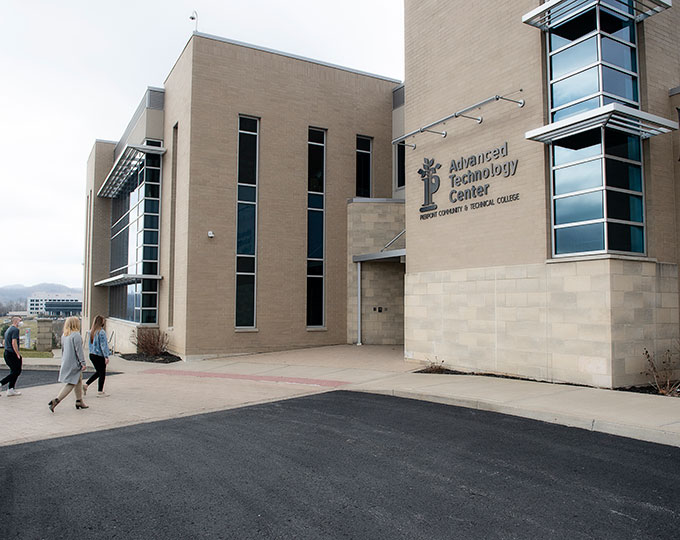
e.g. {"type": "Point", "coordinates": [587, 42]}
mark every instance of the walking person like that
{"type": "Point", "coordinates": [13, 357]}
{"type": "Point", "coordinates": [99, 355]}
{"type": "Point", "coordinates": [72, 364]}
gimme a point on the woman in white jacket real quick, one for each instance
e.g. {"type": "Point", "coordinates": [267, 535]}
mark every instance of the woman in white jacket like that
{"type": "Point", "coordinates": [72, 364]}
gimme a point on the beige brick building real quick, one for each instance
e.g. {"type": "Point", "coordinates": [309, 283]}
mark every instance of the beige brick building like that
{"type": "Point", "coordinates": [511, 208]}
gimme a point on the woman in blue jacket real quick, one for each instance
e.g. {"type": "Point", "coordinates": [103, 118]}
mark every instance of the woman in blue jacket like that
{"type": "Point", "coordinates": [99, 355]}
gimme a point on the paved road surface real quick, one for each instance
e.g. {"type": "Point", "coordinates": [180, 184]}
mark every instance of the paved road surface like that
{"type": "Point", "coordinates": [341, 465]}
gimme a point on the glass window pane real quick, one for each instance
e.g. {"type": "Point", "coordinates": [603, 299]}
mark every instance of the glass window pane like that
{"type": "Point", "coordinates": [620, 144]}
{"type": "Point", "coordinates": [577, 177]}
{"type": "Point", "coordinates": [149, 300]}
{"type": "Point", "coordinates": [577, 147]}
{"type": "Point", "coordinates": [150, 253]}
{"type": "Point", "coordinates": [315, 268]}
{"type": "Point", "coordinates": [151, 206]}
{"type": "Point", "coordinates": [624, 5]}
{"type": "Point", "coordinates": [401, 165]}
{"type": "Point", "coordinates": [150, 222]}
{"type": "Point", "coordinates": [148, 315]}
{"type": "Point", "coordinates": [150, 268]}
{"type": "Point", "coordinates": [151, 237]}
{"type": "Point", "coordinates": [619, 83]}
{"type": "Point", "coordinates": [149, 285]}
{"type": "Point", "coordinates": [579, 239]}
{"type": "Point", "coordinates": [245, 265]}
{"type": "Point", "coordinates": [606, 100]}
{"type": "Point", "coordinates": [153, 176]}
{"type": "Point", "coordinates": [573, 29]}
{"type": "Point", "coordinates": [586, 105]}
{"type": "Point", "coordinates": [153, 160]}
{"type": "Point", "coordinates": [316, 135]}
{"type": "Point", "coordinates": [615, 52]}
{"type": "Point", "coordinates": [577, 86]}
{"type": "Point", "coordinates": [579, 208]}
{"type": "Point", "coordinates": [247, 124]}
{"type": "Point", "coordinates": [623, 206]}
{"type": "Point", "coordinates": [246, 193]}
{"type": "Point", "coordinates": [573, 58]}
{"type": "Point", "coordinates": [616, 25]}
{"type": "Point", "coordinates": [363, 175]}
{"type": "Point", "coordinates": [364, 143]}
{"type": "Point", "coordinates": [315, 168]}
{"type": "Point", "coordinates": [315, 201]}
{"type": "Point", "coordinates": [152, 190]}
{"type": "Point", "coordinates": [245, 237]}
{"type": "Point", "coordinates": [314, 234]}
{"type": "Point", "coordinates": [626, 238]}
{"type": "Point", "coordinates": [314, 301]}
{"type": "Point", "coordinates": [245, 300]}
{"type": "Point", "coordinates": [623, 175]}
{"type": "Point", "coordinates": [247, 158]}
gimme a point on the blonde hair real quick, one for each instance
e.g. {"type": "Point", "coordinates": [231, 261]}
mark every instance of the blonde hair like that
{"type": "Point", "coordinates": [97, 325]}
{"type": "Point", "coordinates": [71, 325]}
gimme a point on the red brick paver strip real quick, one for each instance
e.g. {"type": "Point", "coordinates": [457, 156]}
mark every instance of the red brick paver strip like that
{"type": "Point", "coordinates": [265, 378]}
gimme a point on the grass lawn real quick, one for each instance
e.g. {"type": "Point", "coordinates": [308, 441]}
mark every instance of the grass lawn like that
{"type": "Point", "coordinates": [30, 353]}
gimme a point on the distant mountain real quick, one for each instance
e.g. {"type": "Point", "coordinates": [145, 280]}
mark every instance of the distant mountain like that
{"type": "Point", "coordinates": [14, 293]}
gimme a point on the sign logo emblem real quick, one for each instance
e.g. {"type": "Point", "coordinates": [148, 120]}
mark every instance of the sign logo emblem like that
{"type": "Point", "coordinates": [430, 183]}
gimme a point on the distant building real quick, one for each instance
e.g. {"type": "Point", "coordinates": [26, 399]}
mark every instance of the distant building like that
{"type": "Point", "coordinates": [42, 303]}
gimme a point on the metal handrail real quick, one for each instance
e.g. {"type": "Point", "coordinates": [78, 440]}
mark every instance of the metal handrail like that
{"type": "Point", "coordinates": [392, 241]}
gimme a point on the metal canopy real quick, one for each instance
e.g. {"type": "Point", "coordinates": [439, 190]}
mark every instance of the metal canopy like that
{"type": "Point", "coordinates": [613, 115]}
{"type": "Point", "coordinates": [394, 254]}
{"type": "Point", "coordinates": [127, 162]}
{"type": "Point", "coordinates": [125, 279]}
{"type": "Point", "coordinates": [555, 12]}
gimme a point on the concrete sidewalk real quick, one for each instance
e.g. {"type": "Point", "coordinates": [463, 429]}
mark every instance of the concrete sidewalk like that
{"type": "Point", "coordinates": [149, 392]}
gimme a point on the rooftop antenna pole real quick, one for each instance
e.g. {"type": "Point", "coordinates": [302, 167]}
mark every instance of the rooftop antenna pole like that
{"type": "Point", "coordinates": [194, 17]}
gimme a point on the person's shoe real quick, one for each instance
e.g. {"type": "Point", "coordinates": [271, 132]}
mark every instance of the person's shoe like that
{"type": "Point", "coordinates": [13, 392]}
{"type": "Point", "coordinates": [81, 405]}
{"type": "Point", "coordinates": [52, 404]}
{"type": "Point", "coordinates": [84, 389]}
{"type": "Point", "coordinates": [102, 394]}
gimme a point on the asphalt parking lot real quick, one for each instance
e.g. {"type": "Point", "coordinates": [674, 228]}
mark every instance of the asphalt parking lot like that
{"type": "Point", "coordinates": [341, 465]}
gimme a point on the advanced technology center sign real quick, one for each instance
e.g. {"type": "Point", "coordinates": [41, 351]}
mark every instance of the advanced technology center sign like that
{"type": "Point", "coordinates": [473, 180]}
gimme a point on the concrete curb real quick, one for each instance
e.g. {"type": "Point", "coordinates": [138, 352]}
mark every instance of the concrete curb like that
{"type": "Point", "coordinates": [643, 433]}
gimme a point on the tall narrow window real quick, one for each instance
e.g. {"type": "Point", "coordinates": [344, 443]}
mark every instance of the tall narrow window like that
{"type": "Point", "coordinates": [246, 221]}
{"type": "Point", "coordinates": [363, 166]}
{"type": "Point", "coordinates": [401, 166]}
{"type": "Point", "coordinates": [316, 165]}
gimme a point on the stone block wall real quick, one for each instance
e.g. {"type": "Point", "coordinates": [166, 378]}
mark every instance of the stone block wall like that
{"type": "Point", "coordinates": [584, 322]}
{"type": "Point", "coordinates": [43, 338]}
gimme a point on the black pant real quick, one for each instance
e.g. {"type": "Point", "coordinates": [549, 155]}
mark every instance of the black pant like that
{"type": "Point", "coordinates": [99, 363]}
{"type": "Point", "coordinates": [14, 364]}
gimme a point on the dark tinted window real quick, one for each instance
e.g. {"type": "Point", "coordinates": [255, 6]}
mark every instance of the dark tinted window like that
{"type": "Point", "coordinates": [314, 301]}
{"type": "Point", "coordinates": [245, 300]}
{"type": "Point", "coordinates": [247, 158]}
{"type": "Point", "coordinates": [247, 124]}
{"type": "Point", "coordinates": [315, 234]}
{"type": "Point", "coordinates": [363, 174]}
{"type": "Point", "coordinates": [245, 241]}
{"type": "Point", "coordinates": [315, 168]}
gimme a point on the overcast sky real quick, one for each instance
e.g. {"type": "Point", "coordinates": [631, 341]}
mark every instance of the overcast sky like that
{"type": "Point", "coordinates": [74, 71]}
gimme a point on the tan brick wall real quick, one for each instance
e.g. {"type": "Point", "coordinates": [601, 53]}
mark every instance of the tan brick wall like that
{"type": "Point", "coordinates": [583, 322]}
{"type": "Point", "coordinates": [289, 95]}
{"type": "Point", "coordinates": [370, 226]}
{"type": "Point", "coordinates": [97, 234]}
{"type": "Point", "coordinates": [457, 55]}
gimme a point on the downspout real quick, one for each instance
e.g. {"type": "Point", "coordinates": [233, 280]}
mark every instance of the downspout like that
{"type": "Point", "coordinates": [359, 303]}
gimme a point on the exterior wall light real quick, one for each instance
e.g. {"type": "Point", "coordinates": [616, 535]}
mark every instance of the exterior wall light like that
{"type": "Point", "coordinates": [211, 234]}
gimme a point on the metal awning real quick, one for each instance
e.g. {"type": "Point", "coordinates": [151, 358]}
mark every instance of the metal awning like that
{"type": "Point", "coordinates": [555, 12]}
{"type": "Point", "coordinates": [613, 115]}
{"type": "Point", "coordinates": [127, 162]}
{"type": "Point", "coordinates": [125, 279]}
{"type": "Point", "coordinates": [385, 256]}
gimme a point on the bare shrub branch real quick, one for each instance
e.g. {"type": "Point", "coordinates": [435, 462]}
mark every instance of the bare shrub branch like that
{"type": "Point", "coordinates": [149, 341]}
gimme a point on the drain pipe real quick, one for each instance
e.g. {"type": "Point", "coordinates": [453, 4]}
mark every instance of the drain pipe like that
{"type": "Point", "coordinates": [359, 303]}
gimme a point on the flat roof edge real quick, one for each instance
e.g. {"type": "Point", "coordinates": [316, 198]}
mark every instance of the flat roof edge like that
{"type": "Point", "coordinates": [295, 57]}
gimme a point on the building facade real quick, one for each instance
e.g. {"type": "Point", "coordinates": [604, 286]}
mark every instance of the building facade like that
{"type": "Point", "coordinates": [54, 304]}
{"type": "Point", "coordinates": [511, 208]}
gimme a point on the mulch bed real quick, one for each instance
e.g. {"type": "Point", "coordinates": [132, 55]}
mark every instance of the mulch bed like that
{"type": "Point", "coordinates": [165, 358]}
{"type": "Point", "coordinates": [648, 389]}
